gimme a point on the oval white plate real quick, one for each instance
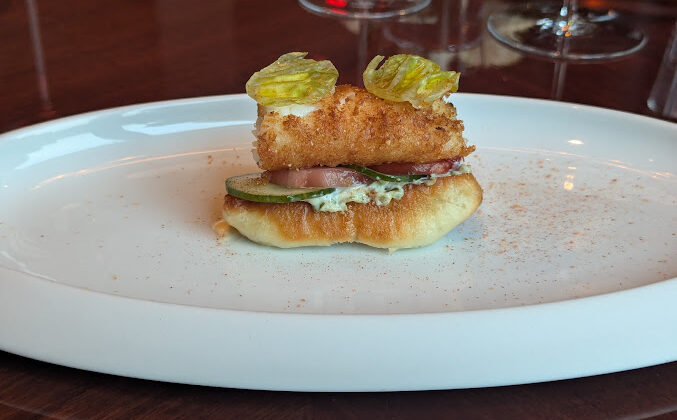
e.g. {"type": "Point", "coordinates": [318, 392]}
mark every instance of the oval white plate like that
{"type": "Point", "coordinates": [108, 261]}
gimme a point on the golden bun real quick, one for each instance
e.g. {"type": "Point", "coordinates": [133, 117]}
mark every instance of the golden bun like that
{"type": "Point", "coordinates": [421, 217]}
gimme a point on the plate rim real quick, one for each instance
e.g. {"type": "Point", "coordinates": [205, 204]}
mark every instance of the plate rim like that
{"type": "Point", "coordinates": [235, 96]}
{"type": "Point", "coordinates": [343, 321]}
{"type": "Point", "coordinates": [446, 372]}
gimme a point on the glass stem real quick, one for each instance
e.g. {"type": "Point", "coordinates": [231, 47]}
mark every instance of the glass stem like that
{"type": "Point", "coordinates": [569, 7]}
{"type": "Point", "coordinates": [38, 57]}
{"type": "Point", "coordinates": [566, 16]}
{"type": "Point", "coordinates": [565, 26]}
{"type": "Point", "coordinates": [362, 46]}
{"type": "Point", "coordinates": [558, 77]}
{"type": "Point", "coordinates": [570, 22]}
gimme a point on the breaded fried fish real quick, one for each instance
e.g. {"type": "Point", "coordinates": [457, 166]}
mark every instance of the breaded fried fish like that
{"type": "Point", "coordinates": [354, 126]}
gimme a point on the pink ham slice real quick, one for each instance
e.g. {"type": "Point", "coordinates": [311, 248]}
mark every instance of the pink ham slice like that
{"type": "Point", "coordinates": [404, 168]}
{"type": "Point", "coordinates": [345, 177]}
{"type": "Point", "coordinates": [317, 177]}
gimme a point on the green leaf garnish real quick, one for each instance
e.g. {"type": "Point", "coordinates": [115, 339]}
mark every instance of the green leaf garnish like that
{"type": "Point", "coordinates": [405, 77]}
{"type": "Point", "coordinates": [292, 79]}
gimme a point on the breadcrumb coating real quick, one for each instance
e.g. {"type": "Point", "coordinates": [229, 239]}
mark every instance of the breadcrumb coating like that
{"type": "Point", "coordinates": [352, 126]}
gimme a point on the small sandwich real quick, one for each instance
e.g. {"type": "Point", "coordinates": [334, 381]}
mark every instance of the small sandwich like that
{"type": "Point", "coordinates": [383, 166]}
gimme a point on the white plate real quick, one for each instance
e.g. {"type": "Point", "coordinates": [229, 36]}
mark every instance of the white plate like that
{"type": "Point", "coordinates": [108, 261]}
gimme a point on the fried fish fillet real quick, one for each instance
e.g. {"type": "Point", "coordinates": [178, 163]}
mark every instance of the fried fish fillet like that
{"type": "Point", "coordinates": [353, 126]}
{"type": "Point", "coordinates": [421, 217]}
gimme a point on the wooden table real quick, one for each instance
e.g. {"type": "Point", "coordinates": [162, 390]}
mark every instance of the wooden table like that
{"type": "Point", "coordinates": [59, 58]}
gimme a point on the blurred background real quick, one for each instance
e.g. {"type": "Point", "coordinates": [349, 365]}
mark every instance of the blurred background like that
{"type": "Point", "coordinates": [63, 57]}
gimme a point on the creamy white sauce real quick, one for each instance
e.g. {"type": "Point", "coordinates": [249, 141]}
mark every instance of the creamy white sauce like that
{"type": "Point", "coordinates": [380, 192]}
{"type": "Point", "coordinates": [299, 110]}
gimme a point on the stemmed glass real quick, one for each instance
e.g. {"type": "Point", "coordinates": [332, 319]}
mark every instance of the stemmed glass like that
{"type": "Point", "coordinates": [47, 111]}
{"type": "Point", "coordinates": [565, 31]}
{"type": "Point", "coordinates": [365, 9]}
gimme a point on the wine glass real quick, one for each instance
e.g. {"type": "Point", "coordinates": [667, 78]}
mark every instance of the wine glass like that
{"type": "Point", "coordinates": [565, 32]}
{"type": "Point", "coordinates": [365, 9]}
{"type": "Point", "coordinates": [663, 97]}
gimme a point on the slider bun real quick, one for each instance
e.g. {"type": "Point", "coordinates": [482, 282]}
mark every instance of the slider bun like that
{"type": "Point", "coordinates": [421, 217]}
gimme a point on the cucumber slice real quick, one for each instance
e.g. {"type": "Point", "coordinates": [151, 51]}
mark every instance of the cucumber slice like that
{"type": "Point", "coordinates": [253, 187]}
{"type": "Point", "coordinates": [384, 177]}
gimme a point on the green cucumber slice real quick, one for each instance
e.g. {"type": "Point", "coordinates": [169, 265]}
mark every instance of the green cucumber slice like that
{"type": "Point", "coordinates": [253, 187]}
{"type": "Point", "coordinates": [383, 177]}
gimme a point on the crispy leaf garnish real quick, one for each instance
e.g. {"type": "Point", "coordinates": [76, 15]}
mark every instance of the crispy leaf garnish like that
{"type": "Point", "coordinates": [292, 79]}
{"type": "Point", "coordinates": [405, 77]}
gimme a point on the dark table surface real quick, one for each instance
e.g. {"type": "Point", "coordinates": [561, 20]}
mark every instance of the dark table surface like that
{"type": "Point", "coordinates": [59, 58]}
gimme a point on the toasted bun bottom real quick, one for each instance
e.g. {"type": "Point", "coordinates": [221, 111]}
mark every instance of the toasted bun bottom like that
{"type": "Point", "coordinates": [421, 217]}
